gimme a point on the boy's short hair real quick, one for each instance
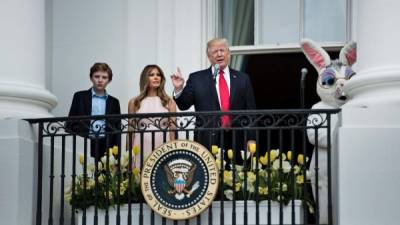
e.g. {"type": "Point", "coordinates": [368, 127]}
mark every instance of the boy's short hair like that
{"type": "Point", "coordinates": [100, 66]}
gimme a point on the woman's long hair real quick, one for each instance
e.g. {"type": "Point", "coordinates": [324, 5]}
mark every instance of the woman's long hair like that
{"type": "Point", "coordinates": [144, 87]}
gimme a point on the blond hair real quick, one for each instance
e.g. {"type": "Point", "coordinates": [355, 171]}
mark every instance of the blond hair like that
{"type": "Point", "coordinates": [217, 40]}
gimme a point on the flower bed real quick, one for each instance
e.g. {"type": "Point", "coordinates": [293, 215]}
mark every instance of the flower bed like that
{"type": "Point", "coordinates": [274, 176]}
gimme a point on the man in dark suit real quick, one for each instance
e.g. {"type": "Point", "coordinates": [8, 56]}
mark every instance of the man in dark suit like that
{"type": "Point", "coordinates": [92, 102]}
{"type": "Point", "coordinates": [217, 88]}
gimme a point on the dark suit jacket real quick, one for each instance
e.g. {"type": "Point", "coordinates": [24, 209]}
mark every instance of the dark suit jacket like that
{"type": "Point", "coordinates": [200, 91]}
{"type": "Point", "coordinates": [82, 106]}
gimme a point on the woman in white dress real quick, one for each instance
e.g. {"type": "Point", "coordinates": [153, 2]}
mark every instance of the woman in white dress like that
{"type": "Point", "coordinates": [152, 99]}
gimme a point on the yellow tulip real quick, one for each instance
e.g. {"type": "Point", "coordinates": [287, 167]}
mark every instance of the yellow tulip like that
{"type": "Point", "coordinates": [82, 159]}
{"type": "Point", "coordinates": [135, 150]}
{"type": "Point", "coordinates": [267, 157]}
{"type": "Point", "coordinates": [263, 190]}
{"type": "Point", "coordinates": [228, 177]}
{"type": "Point", "coordinates": [296, 169]}
{"type": "Point", "coordinates": [136, 171]}
{"type": "Point", "coordinates": [218, 162]}
{"type": "Point", "coordinates": [300, 159]}
{"type": "Point", "coordinates": [300, 179]}
{"type": "Point", "coordinates": [115, 150]}
{"type": "Point", "coordinates": [264, 160]}
{"type": "Point", "coordinates": [272, 154]}
{"type": "Point", "coordinates": [237, 187]}
{"type": "Point", "coordinates": [230, 154]}
{"type": "Point", "coordinates": [214, 149]}
{"type": "Point", "coordinates": [289, 155]}
{"type": "Point", "coordinates": [252, 147]}
{"type": "Point", "coordinates": [251, 177]}
{"type": "Point", "coordinates": [122, 188]}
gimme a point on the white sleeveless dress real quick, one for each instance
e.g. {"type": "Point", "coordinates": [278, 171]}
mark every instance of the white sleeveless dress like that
{"type": "Point", "coordinates": [151, 105]}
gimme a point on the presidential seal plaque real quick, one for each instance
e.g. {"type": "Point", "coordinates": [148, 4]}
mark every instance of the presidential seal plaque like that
{"type": "Point", "coordinates": [179, 179]}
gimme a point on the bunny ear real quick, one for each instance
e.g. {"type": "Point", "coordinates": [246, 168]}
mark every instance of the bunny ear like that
{"type": "Point", "coordinates": [317, 56]}
{"type": "Point", "coordinates": [348, 54]}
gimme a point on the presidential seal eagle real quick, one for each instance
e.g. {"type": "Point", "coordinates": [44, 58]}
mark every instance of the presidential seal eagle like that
{"type": "Point", "coordinates": [179, 174]}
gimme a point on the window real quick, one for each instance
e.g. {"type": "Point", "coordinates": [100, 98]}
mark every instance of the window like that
{"type": "Point", "coordinates": [271, 30]}
{"type": "Point", "coordinates": [264, 36]}
{"type": "Point", "coordinates": [270, 23]}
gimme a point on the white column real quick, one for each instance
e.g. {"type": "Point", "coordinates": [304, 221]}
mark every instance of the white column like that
{"type": "Point", "coordinates": [18, 172]}
{"type": "Point", "coordinates": [22, 55]}
{"type": "Point", "coordinates": [378, 69]}
{"type": "Point", "coordinates": [369, 138]}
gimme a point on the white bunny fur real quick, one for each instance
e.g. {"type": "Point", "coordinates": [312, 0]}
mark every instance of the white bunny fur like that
{"type": "Point", "coordinates": [332, 97]}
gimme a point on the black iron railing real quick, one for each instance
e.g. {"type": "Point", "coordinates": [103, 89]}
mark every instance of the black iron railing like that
{"type": "Point", "coordinates": [68, 193]}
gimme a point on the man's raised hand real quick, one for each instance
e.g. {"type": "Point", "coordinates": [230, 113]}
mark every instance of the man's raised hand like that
{"type": "Point", "coordinates": [177, 80]}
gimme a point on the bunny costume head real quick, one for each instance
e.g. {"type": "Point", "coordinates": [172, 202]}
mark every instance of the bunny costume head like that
{"type": "Point", "coordinates": [332, 74]}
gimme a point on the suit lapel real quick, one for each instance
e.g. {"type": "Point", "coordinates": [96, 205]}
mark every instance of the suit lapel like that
{"type": "Point", "coordinates": [88, 102]}
{"type": "Point", "coordinates": [213, 89]}
{"type": "Point", "coordinates": [108, 106]}
{"type": "Point", "coordinates": [234, 83]}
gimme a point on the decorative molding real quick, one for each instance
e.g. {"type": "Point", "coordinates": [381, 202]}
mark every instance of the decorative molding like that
{"type": "Point", "coordinates": [377, 86]}
{"type": "Point", "coordinates": [272, 48]}
{"type": "Point", "coordinates": [37, 100]}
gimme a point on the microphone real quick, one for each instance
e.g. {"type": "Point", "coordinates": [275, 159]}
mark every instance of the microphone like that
{"type": "Point", "coordinates": [304, 72]}
{"type": "Point", "coordinates": [216, 71]}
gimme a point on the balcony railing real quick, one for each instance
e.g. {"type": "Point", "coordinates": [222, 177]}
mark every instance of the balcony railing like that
{"type": "Point", "coordinates": [64, 163]}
